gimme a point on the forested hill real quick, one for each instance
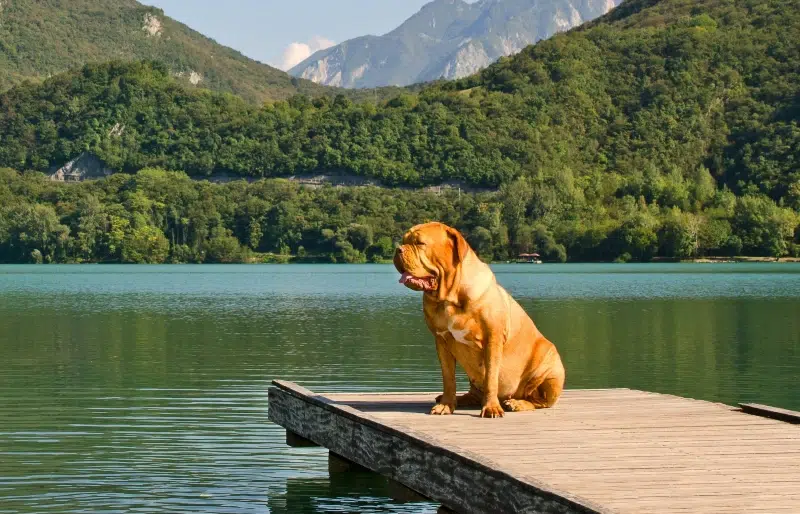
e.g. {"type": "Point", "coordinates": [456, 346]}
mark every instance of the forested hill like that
{"type": "Point", "coordinates": [39, 38]}
{"type": "Point", "coordinates": [652, 92]}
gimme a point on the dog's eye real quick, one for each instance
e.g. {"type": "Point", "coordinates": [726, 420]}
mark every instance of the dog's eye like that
{"type": "Point", "coordinates": [421, 243]}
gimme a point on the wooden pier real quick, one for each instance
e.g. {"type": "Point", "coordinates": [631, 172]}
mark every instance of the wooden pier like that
{"type": "Point", "coordinates": [596, 451]}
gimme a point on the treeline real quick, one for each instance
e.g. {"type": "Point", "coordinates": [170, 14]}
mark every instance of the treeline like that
{"type": "Point", "coordinates": [656, 91]}
{"type": "Point", "coordinates": [156, 216]}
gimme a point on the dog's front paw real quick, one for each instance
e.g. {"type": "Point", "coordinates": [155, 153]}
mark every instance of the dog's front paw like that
{"type": "Point", "coordinates": [442, 409]}
{"type": "Point", "coordinates": [492, 410]}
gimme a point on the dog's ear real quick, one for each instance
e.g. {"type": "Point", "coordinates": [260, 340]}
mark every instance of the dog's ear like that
{"type": "Point", "coordinates": [460, 245]}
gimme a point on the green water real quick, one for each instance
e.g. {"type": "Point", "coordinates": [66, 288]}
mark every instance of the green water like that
{"type": "Point", "coordinates": [144, 389]}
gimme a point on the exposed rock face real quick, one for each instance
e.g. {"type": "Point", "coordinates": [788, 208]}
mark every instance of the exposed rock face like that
{"type": "Point", "coordinates": [447, 39]}
{"type": "Point", "coordinates": [85, 166]}
{"type": "Point", "coordinates": [117, 130]}
{"type": "Point", "coordinates": [193, 77]}
{"type": "Point", "coordinates": [152, 25]}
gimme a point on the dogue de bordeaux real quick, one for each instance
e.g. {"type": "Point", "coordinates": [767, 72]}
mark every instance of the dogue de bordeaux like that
{"type": "Point", "coordinates": [511, 366]}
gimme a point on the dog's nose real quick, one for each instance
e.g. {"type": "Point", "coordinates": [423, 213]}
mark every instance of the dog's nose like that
{"type": "Point", "coordinates": [398, 259]}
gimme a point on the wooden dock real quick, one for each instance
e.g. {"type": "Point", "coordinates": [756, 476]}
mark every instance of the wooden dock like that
{"type": "Point", "coordinates": [596, 451]}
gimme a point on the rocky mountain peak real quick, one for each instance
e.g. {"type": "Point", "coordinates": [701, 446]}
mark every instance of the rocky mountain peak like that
{"type": "Point", "coordinates": [447, 39]}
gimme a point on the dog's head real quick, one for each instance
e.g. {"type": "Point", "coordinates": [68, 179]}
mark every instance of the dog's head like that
{"type": "Point", "coordinates": [430, 257]}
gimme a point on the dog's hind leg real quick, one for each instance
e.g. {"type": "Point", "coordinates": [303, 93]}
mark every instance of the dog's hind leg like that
{"type": "Point", "coordinates": [472, 398]}
{"type": "Point", "coordinates": [547, 394]}
{"type": "Point", "coordinates": [540, 394]}
{"type": "Point", "coordinates": [520, 405]}
{"type": "Point", "coordinates": [512, 405]}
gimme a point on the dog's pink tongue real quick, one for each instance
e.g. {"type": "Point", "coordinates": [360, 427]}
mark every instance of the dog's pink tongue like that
{"type": "Point", "coordinates": [405, 278]}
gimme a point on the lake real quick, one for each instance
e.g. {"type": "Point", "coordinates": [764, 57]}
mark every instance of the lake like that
{"type": "Point", "coordinates": [144, 389]}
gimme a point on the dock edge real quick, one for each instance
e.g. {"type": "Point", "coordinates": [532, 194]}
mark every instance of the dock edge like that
{"type": "Point", "coordinates": [776, 413]}
{"type": "Point", "coordinates": [460, 480]}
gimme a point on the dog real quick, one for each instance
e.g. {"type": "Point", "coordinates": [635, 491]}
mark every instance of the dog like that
{"type": "Point", "coordinates": [511, 366]}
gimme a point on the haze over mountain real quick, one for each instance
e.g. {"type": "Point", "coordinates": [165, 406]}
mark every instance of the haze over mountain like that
{"type": "Point", "coordinates": [446, 39]}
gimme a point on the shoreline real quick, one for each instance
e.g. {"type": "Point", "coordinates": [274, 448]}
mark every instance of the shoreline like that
{"type": "Point", "coordinates": [733, 260]}
{"type": "Point", "coordinates": [288, 260]}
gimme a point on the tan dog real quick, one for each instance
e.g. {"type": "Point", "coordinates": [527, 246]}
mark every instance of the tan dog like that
{"type": "Point", "coordinates": [476, 323]}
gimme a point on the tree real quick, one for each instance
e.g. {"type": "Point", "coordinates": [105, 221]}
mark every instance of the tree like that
{"type": "Point", "coordinates": [546, 245]}
{"type": "Point", "coordinates": [222, 247]}
{"type": "Point", "coordinates": [714, 236]}
{"type": "Point", "coordinates": [793, 196]}
{"type": "Point", "coordinates": [680, 234]}
{"type": "Point", "coordinates": [255, 234]}
{"type": "Point", "coordinates": [145, 245]}
{"type": "Point", "coordinates": [383, 248]}
{"type": "Point", "coordinates": [765, 228]}
{"type": "Point", "coordinates": [360, 236]}
{"type": "Point", "coordinates": [91, 226]}
{"type": "Point", "coordinates": [702, 187]}
{"type": "Point", "coordinates": [115, 236]}
{"type": "Point", "coordinates": [32, 232]}
{"type": "Point", "coordinates": [515, 197]}
{"type": "Point", "coordinates": [525, 239]}
{"type": "Point", "coordinates": [636, 237]}
{"type": "Point", "coordinates": [480, 239]}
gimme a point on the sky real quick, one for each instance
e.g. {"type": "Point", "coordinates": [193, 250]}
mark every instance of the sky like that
{"type": "Point", "coordinates": [282, 33]}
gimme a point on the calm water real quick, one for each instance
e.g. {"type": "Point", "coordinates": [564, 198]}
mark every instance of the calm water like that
{"type": "Point", "coordinates": [144, 389]}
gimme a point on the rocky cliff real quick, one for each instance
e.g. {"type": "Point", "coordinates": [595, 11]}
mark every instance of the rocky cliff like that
{"type": "Point", "coordinates": [446, 39]}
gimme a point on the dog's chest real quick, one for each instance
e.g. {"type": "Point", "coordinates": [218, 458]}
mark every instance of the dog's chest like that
{"type": "Point", "coordinates": [462, 329]}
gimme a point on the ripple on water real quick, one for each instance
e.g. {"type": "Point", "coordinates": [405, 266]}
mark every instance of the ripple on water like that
{"type": "Point", "coordinates": [144, 389]}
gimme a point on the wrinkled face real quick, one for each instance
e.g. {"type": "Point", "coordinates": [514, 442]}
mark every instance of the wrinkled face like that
{"type": "Point", "coordinates": [423, 256]}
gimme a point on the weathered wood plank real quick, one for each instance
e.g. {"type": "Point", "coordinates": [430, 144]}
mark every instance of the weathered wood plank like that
{"type": "Point", "coordinates": [461, 481]}
{"type": "Point", "coordinates": [607, 450]}
{"type": "Point", "coordinates": [789, 416]}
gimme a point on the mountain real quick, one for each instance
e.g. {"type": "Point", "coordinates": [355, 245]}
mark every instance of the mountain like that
{"type": "Point", "coordinates": [446, 39]}
{"type": "Point", "coordinates": [664, 128]}
{"type": "Point", "coordinates": [39, 38]}
{"type": "Point", "coordinates": [641, 102]}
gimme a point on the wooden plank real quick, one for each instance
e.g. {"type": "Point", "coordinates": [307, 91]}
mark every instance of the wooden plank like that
{"type": "Point", "coordinates": [606, 450]}
{"type": "Point", "coordinates": [789, 416]}
{"type": "Point", "coordinates": [460, 480]}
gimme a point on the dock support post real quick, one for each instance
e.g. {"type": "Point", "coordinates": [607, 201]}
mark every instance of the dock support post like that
{"type": "Point", "coordinates": [297, 441]}
{"type": "Point", "coordinates": [338, 464]}
{"type": "Point", "coordinates": [396, 490]}
{"type": "Point", "coordinates": [402, 494]}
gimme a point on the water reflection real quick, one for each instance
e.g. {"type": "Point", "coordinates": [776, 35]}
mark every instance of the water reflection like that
{"type": "Point", "coordinates": [342, 492]}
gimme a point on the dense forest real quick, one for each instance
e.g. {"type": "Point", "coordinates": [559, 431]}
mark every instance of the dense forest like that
{"type": "Point", "coordinates": [654, 89]}
{"type": "Point", "coordinates": [666, 128]}
{"type": "Point", "coordinates": [157, 216]}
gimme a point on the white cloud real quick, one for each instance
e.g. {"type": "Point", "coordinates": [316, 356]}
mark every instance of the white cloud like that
{"type": "Point", "coordinates": [296, 52]}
